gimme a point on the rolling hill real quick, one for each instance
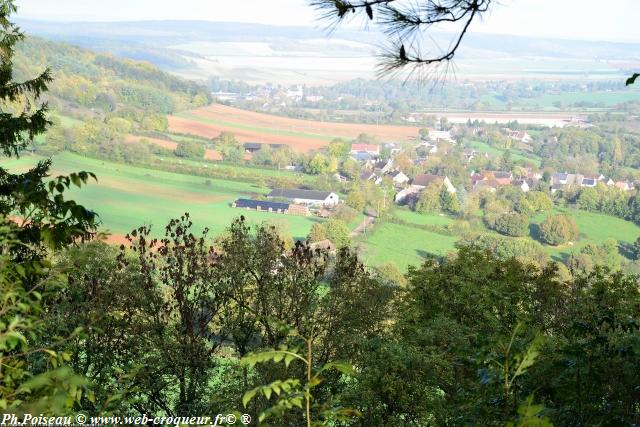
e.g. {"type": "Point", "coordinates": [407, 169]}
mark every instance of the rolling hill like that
{"type": "Point", "coordinates": [290, 54]}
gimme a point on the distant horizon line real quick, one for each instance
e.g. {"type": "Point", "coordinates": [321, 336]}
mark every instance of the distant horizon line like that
{"type": "Point", "coordinates": [344, 28]}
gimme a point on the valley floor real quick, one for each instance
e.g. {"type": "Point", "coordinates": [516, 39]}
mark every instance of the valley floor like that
{"type": "Point", "coordinates": [127, 197]}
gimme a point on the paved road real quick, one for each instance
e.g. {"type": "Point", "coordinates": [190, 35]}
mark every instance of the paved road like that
{"type": "Point", "coordinates": [368, 220]}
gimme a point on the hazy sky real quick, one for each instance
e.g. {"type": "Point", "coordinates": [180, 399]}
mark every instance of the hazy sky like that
{"type": "Point", "coordinates": [578, 19]}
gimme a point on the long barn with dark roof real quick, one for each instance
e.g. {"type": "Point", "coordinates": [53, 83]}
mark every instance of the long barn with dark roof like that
{"type": "Point", "coordinates": [269, 206]}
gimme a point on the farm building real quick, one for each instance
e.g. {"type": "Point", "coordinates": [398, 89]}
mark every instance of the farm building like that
{"type": "Point", "coordinates": [275, 207]}
{"type": "Point", "coordinates": [252, 147]}
{"type": "Point", "coordinates": [306, 197]}
{"type": "Point", "coordinates": [371, 149]}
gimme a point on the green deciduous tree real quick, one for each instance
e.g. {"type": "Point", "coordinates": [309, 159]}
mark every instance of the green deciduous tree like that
{"type": "Point", "coordinates": [190, 150]}
{"type": "Point", "coordinates": [558, 229]}
{"type": "Point", "coordinates": [332, 229]}
{"type": "Point", "coordinates": [429, 199]}
{"type": "Point", "coordinates": [33, 375]}
{"type": "Point", "coordinates": [512, 224]}
{"type": "Point", "coordinates": [229, 147]}
{"type": "Point", "coordinates": [356, 199]}
{"type": "Point", "coordinates": [449, 202]}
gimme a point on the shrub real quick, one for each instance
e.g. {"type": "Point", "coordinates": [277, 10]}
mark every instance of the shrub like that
{"type": "Point", "coordinates": [512, 224]}
{"type": "Point", "coordinates": [190, 150]}
{"type": "Point", "coordinates": [558, 229]}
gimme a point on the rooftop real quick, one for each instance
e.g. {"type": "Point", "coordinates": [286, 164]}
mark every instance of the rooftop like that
{"type": "Point", "coordinates": [299, 194]}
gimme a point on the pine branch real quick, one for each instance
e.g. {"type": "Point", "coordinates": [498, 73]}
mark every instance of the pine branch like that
{"type": "Point", "coordinates": [406, 23]}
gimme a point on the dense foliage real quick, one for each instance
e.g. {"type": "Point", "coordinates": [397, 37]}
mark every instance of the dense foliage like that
{"type": "Point", "coordinates": [188, 324]}
{"type": "Point", "coordinates": [105, 83]}
{"type": "Point", "coordinates": [558, 229]}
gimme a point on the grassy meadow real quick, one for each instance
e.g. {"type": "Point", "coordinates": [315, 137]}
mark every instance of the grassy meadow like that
{"type": "Point", "coordinates": [594, 228]}
{"type": "Point", "coordinates": [516, 155]}
{"type": "Point", "coordinates": [126, 197]}
{"type": "Point", "coordinates": [408, 244]}
{"type": "Point", "coordinates": [401, 245]}
{"type": "Point", "coordinates": [404, 245]}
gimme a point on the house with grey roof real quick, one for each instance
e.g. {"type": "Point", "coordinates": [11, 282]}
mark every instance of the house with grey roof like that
{"type": "Point", "coordinates": [305, 197]}
{"type": "Point", "coordinates": [425, 179]}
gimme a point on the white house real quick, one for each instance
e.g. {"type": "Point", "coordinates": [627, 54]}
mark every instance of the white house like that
{"type": "Point", "coordinates": [306, 197]}
{"type": "Point", "coordinates": [429, 147]}
{"type": "Point", "coordinates": [522, 185]}
{"type": "Point", "coordinates": [296, 93]}
{"type": "Point", "coordinates": [440, 135]}
{"type": "Point", "coordinates": [518, 135]}
{"type": "Point", "coordinates": [399, 177]}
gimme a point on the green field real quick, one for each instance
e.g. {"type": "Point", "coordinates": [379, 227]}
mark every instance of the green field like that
{"type": "Point", "coordinates": [233, 169]}
{"type": "Point", "coordinates": [402, 245]}
{"type": "Point", "coordinates": [546, 102]}
{"type": "Point", "coordinates": [67, 121]}
{"type": "Point", "coordinates": [422, 219]}
{"type": "Point", "coordinates": [594, 228]}
{"type": "Point", "coordinates": [127, 197]}
{"type": "Point", "coordinates": [606, 98]}
{"type": "Point", "coordinates": [515, 154]}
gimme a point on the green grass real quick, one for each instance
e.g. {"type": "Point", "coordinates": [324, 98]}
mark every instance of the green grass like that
{"type": "Point", "coordinates": [594, 228]}
{"type": "Point", "coordinates": [127, 197]}
{"type": "Point", "coordinates": [270, 131]}
{"type": "Point", "coordinates": [422, 219]}
{"type": "Point", "coordinates": [606, 98]}
{"type": "Point", "coordinates": [180, 138]}
{"type": "Point", "coordinates": [403, 246]}
{"type": "Point", "coordinates": [235, 169]}
{"type": "Point", "coordinates": [515, 154]}
{"type": "Point", "coordinates": [67, 121]}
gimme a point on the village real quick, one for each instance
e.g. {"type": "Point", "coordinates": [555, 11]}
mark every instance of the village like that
{"type": "Point", "coordinates": [404, 169]}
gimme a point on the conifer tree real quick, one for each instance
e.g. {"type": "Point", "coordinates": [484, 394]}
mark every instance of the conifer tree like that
{"type": "Point", "coordinates": [33, 199]}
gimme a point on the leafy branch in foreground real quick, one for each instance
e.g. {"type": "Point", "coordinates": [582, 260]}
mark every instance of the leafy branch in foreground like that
{"type": "Point", "coordinates": [24, 386]}
{"type": "Point", "coordinates": [511, 366]}
{"type": "Point", "coordinates": [291, 392]}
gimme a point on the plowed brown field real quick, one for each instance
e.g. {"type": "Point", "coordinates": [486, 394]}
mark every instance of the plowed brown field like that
{"type": "Point", "coordinates": [302, 135]}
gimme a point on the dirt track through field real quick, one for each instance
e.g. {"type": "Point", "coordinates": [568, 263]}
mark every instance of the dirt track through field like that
{"type": "Point", "coordinates": [302, 135]}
